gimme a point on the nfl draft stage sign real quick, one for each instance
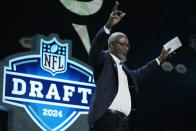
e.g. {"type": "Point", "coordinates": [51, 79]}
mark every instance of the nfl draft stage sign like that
{"type": "Point", "coordinates": [54, 88]}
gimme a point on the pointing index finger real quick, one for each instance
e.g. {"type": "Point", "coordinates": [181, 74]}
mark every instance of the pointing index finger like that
{"type": "Point", "coordinates": [116, 6]}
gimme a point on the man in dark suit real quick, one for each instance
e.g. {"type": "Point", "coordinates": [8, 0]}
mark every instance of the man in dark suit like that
{"type": "Point", "coordinates": [115, 97]}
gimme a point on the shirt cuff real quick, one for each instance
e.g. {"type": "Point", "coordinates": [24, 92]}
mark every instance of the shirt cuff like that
{"type": "Point", "coordinates": [158, 61]}
{"type": "Point", "coordinates": [107, 31]}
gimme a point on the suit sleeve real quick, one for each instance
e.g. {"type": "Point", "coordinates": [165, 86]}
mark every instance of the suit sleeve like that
{"type": "Point", "coordinates": [146, 70]}
{"type": "Point", "coordinates": [96, 57]}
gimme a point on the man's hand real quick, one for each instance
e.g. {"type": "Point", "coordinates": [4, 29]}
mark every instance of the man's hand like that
{"type": "Point", "coordinates": [115, 16]}
{"type": "Point", "coordinates": [165, 54]}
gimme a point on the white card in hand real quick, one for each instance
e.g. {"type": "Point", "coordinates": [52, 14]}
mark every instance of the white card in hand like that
{"type": "Point", "coordinates": [173, 44]}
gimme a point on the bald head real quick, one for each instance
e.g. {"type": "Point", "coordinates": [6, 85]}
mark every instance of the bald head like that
{"type": "Point", "coordinates": [115, 36]}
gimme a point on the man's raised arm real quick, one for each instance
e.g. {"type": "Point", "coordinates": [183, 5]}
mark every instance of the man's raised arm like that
{"type": "Point", "coordinates": [101, 37]}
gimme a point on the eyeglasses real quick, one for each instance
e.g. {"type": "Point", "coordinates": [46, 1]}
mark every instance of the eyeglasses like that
{"type": "Point", "coordinates": [123, 44]}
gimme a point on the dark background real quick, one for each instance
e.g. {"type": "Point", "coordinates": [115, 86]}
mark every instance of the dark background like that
{"type": "Point", "coordinates": [168, 99]}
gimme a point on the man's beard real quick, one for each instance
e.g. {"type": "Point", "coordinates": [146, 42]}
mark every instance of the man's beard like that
{"type": "Point", "coordinates": [122, 57]}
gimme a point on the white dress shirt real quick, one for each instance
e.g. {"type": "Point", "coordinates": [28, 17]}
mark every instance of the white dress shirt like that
{"type": "Point", "coordinates": [122, 101]}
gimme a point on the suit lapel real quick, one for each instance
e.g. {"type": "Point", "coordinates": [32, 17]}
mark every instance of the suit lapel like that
{"type": "Point", "coordinates": [113, 62]}
{"type": "Point", "coordinates": [131, 79]}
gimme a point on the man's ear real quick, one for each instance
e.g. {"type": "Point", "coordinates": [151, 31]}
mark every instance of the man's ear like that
{"type": "Point", "coordinates": [111, 45]}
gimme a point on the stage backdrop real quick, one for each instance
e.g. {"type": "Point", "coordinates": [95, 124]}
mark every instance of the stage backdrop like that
{"type": "Point", "coordinates": [46, 82]}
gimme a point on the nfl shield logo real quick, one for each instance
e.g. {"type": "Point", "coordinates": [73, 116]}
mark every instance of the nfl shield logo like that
{"type": "Point", "coordinates": [53, 88]}
{"type": "Point", "coordinates": [54, 56]}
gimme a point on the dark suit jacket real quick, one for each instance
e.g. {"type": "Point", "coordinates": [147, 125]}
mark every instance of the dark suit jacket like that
{"type": "Point", "coordinates": [106, 78]}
